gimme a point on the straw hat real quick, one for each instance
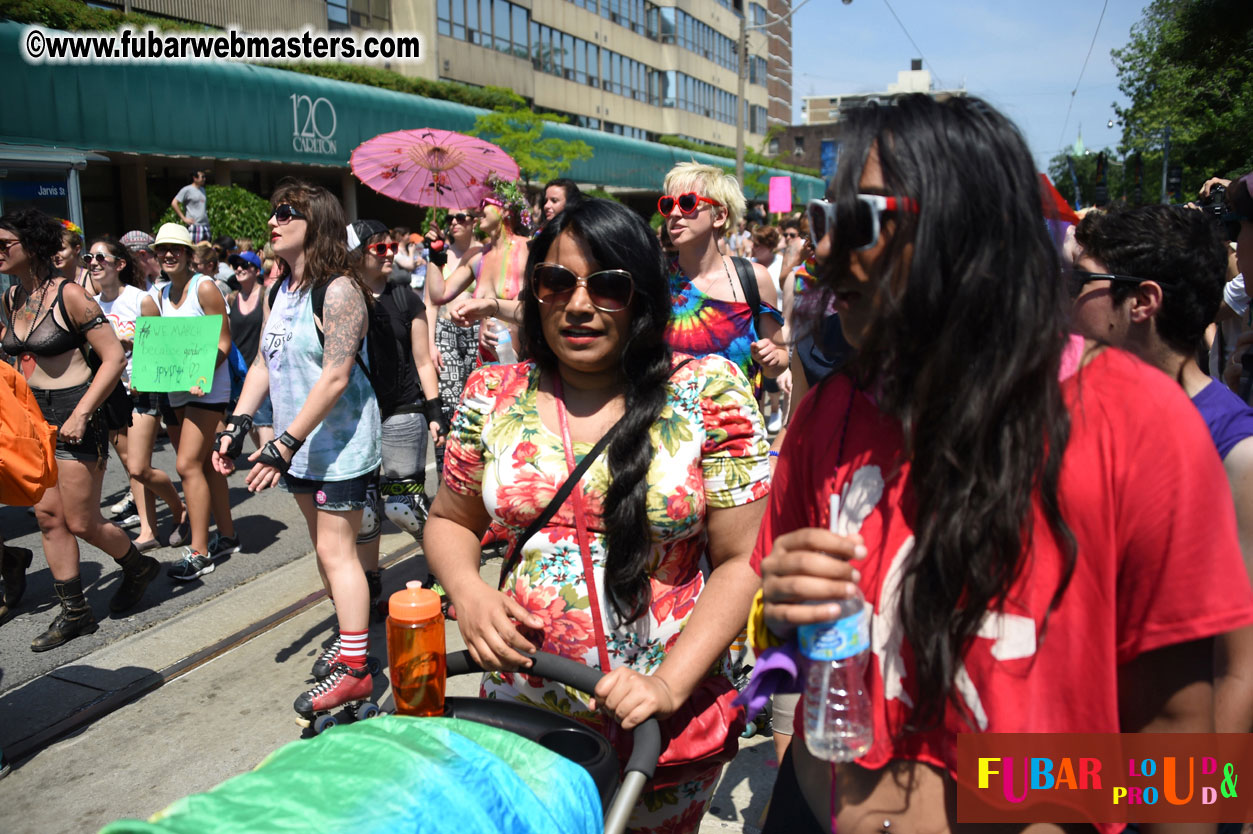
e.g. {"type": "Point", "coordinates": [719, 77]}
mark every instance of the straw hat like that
{"type": "Point", "coordinates": [173, 234]}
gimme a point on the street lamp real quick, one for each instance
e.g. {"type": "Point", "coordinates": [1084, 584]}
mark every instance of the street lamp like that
{"type": "Point", "coordinates": [743, 76]}
{"type": "Point", "coordinates": [1150, 134]}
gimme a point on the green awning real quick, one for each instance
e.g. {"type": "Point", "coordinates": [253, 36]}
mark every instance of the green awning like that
{"type": "Point", "coordinates": [234, 111]}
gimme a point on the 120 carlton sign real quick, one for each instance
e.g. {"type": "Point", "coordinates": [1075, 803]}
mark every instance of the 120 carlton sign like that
{"type": "Point", "coordinates": [313, 125]}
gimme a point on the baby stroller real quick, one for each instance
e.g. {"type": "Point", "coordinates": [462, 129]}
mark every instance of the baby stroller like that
{"type": "Point", "coordinates": [519, 765]}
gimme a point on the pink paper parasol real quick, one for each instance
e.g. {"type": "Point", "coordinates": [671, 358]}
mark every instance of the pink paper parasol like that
{"type": "Point", "coordinates": [431, 167]}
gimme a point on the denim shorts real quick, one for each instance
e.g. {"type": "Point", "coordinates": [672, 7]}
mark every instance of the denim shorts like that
{"type": "Point", "coordinates": [57, 405]}
{"type": "Point", "coordinates": [265, 413]}
{"type": "Point", "coordinates": [332, 496]}
{"type": "Point", "coordinates": [146, 403]}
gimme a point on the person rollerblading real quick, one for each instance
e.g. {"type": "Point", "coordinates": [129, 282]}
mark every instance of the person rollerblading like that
{"type": "Point", "coordinates": [350, 686]}
{"type": "Point", "coordinates": [406, 505]}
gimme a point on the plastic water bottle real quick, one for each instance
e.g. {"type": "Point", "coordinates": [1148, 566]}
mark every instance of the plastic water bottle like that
{"type": "Point", "coordinates": [839, 726]}
{"type": "Point", "coordinates": [504, 343]}
{"type": "Point", "coordinates": [415, 650]}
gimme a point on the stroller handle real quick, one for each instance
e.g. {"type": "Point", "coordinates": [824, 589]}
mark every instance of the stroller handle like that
{"type": "Point", "coordinates": [647, 736]}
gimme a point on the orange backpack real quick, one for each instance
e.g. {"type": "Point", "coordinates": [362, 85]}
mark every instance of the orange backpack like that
{"type": "Point", "coordinates": [28, 464]}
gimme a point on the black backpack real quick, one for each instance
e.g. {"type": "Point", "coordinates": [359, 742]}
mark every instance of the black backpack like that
{"type": "Point", "coordinates": [748, 282]}
{"type": "Point", "coordinates": [386, 358]}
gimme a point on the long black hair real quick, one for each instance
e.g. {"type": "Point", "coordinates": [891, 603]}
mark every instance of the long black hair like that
{"type": "Point", "coordinates": [964, 349]}
{"type": "Point", "coordinates": [617, 238]}
{"type": "Point", "coordinates": [40, 236]}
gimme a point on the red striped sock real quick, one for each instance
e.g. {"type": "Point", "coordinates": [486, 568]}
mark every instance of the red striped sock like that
{"type": "Point", "coordinates": [353, 646]}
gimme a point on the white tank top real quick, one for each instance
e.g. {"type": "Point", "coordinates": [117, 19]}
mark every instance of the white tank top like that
{"type": "Point", "coordinates": [221, 390]}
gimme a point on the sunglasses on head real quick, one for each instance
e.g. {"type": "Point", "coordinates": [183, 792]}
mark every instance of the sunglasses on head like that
{"type": "Point", "coordinates": [857, 222]}
{"type": "Point", "coordinates": [688, 203]}
{"type": "Point", "coordinates": [98, 258]}
{"type": "Point", "coordinates": [379, 250]}
{"type": "Point", "coordinates": [284, 213]}
{"type": "Point", "coordinates": [609, 290]}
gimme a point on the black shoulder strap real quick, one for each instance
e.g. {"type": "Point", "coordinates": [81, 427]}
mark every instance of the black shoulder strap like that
{"type": "Point", "coordinates": [564, 492]}
{"type": "Point", "coordinates": [748, 281]}
{"type": "Point", "coordinates": [274, 288]}
{"type": "Point", "coordinates": [318, 297]}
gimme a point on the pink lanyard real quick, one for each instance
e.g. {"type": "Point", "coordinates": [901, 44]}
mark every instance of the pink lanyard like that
{"type": "Point", "coordinates": [580, 523]}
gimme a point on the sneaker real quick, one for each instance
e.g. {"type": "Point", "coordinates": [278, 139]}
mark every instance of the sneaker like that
{"type": "Point", "coordinates": [325, 664]}
{"type": "Point", "coordinates": [191, 566]}
{"type": "Point", "coordinates": [124, 507]}
{"type": "Point", "coordinates": [127, 521]}
{"type": "Point", "coordinates": [220, 546]}
{"type": "Point", "coordinates": [134, 583]}
{"type": "Point", "coordinates": [344, 685]}
{"type": "Point", "coordinates": [774, 422]}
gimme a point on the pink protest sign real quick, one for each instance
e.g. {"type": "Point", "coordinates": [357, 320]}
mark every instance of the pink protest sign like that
{"type": "Point", "coordinates": [780, 200]}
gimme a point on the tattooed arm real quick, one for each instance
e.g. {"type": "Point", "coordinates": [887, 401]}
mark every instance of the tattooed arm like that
{"type": "Point", "coordinates": [87, 317]}
{"type": "Point", "coordinates": [343, 328]}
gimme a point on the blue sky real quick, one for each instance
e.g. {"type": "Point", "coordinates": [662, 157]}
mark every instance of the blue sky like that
{"type": "Point", "coordinates": [1023, 56]}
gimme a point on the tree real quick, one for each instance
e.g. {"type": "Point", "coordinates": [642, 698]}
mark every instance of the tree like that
{"type": "Point", "coordinates": [1120, 177]}
{"type": "Point", "coordinates": [1189, 65]}
{"type": "Point", "coordinates": [519, 133]}
{"type": "Point", "coordinates": [232, 211]}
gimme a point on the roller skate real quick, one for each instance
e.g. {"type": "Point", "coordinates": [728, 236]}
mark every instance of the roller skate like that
{"type": "Point", "coordinates": [347, 687]}
{"type": "Point", "coordinates": [330, 657]}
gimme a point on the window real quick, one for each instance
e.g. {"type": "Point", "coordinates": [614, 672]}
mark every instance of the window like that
{"type": "Point", "coordinates": [667, 24]}
{"type": "Point", "coordinates": [520, 19]}
{"type": "Point", "coordinates": [593, 65]}
{"type": "Point", "coordinates": [336, 15]}
{"type": "Point", "coordinates": [500, 25]}
{"type": "Point", "coordinates": [472, 21]}
{"type": "Point", "coordinates": [798, 145]}
{"type": "Point", "coordinates": [580, 62]}
{"type": "Point", "coordinates": [459, 19]}
{"type": "Point", "coordinates": [567, 55]}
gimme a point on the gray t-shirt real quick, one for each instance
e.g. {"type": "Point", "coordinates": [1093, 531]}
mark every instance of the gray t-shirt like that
{"type": "Point", "coordinates": [194, 200]}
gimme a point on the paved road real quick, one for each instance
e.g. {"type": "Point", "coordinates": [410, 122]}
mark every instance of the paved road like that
{"type": "Point", "coordinates": [271, 532]}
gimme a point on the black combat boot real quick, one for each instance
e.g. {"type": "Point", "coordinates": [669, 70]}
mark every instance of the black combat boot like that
{"type": "Point", "coordinates": [75, 618]}
{"type": "Point", "coordinates": [137, 571]}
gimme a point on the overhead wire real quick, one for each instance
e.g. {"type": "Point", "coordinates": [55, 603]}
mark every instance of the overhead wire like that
{"type": "Point", "coordinates": [900, 23]}
{"type": "Point", "coordinates": [1073, 92]}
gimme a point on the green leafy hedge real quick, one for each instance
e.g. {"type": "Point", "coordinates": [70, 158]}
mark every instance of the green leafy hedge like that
{"type": "Point", "coordinates": [750, 156]}
{"type": "Point", "coordinates": [232, 211]}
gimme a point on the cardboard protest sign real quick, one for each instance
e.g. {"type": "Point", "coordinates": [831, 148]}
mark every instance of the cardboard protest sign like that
{"type": "Point", "coordinates": [175, 354]}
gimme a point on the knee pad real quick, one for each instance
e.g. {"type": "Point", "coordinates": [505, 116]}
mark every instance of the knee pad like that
{"type": "Point", "coordinates": [371, 522]}
{"type": "Point", "coordinates": [404, 502]}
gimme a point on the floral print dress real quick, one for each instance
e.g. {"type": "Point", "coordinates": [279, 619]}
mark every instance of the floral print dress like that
{"type": "Point", "coordinates": [710, 451]}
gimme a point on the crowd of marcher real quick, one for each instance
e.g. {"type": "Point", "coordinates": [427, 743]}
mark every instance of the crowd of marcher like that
{"type": "Point", "coordinates": [1050, 538]}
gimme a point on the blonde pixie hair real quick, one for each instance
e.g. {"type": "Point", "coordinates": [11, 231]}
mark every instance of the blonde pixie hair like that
{"type": "Point", "coordinates": [708, 181]}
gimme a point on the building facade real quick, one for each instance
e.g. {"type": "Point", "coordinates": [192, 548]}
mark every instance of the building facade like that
{"type": "Point", "coordinates": [630, 67]}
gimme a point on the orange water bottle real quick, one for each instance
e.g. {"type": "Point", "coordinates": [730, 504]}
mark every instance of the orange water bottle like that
{"type": "Point", "coordinates": [415, 650]}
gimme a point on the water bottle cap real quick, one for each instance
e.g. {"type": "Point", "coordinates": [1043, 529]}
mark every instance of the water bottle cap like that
{"type": "Point", "coordinates": [413, 603]}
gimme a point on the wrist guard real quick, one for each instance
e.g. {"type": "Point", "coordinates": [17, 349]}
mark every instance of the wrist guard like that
{"type": "Point", "coordinates": [270, 456]}
{"type": "Point", "coordinates": [290, 442]}
{"type": "Point", "coordinates": [237, 425]}
{"type": "Point", "coordinates": [434, 410]}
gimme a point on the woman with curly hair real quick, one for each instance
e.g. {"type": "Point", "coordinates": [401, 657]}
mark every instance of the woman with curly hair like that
{"type": "Point", "coordinates": [643, 572]}
{"type": "Point", "coordinates": [1041, 528]}
{"type": "Point", "coordinates": [51, 321]}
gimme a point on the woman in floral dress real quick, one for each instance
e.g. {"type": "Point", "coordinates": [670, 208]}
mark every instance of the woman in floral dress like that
{"type": "Point", "coordinates": [667, 513]}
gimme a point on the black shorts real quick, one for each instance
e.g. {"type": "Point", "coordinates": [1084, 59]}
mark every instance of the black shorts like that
{"type": "Point", "coordinates": [332, 496]}
{"type": "Point", "coordinates": [57, 405]}
{"type": "Point", "coordinates": [146, 403]}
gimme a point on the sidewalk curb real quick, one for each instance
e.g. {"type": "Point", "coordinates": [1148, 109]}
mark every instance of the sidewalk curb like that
{"type": "Point", "coordinates": [114, 700]}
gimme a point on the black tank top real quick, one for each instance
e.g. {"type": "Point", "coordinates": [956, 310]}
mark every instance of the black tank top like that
{"type": "Point", "coordinates": [246, 327]}
{"type": "Point", "coordinates": [48, 338]}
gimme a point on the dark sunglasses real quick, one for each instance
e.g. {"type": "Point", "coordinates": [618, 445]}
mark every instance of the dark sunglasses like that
{"type": "Point", "coordinates": [688, 203]}
{"type": "Point", "coordinates": [463, 219]}
{"type": "Point", "coordinates": [857, 222]}
{"type": "Point", "coordinates": [285, 213]}
{"type": "Point", "coordinates": [380, 250]}
{"type": "Point", "coordinates": [609, 290]}
{"type": "Point", "coordinates": [98, 257]}
{"type": "Point", "coordinates": [6, 245]}
{"type": "Point", "coordinates": [1077, 279]}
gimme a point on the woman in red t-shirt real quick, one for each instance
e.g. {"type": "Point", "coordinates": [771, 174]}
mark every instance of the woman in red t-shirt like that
{"type": "Point", "coordinates": [1042, 554]}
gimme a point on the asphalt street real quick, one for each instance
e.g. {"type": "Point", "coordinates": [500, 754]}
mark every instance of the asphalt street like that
{"type": "Point", "coordinates": [271, 532]}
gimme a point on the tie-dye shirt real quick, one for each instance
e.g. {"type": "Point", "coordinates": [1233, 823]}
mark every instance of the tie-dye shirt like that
{"type": "Point", "coordinates": [701, 325]}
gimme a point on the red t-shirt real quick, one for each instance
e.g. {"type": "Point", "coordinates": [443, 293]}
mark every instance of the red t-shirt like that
{"type": "Point", "coordinates": [1146, 497]}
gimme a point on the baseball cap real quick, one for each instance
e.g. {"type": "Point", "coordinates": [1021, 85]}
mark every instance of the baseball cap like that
{"type": "Point", "coordinates": [359, 231]}
{"type": "Point", "coordinates": [137, 240]}
{"type": "Point", "coordinates": [249, 258]}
